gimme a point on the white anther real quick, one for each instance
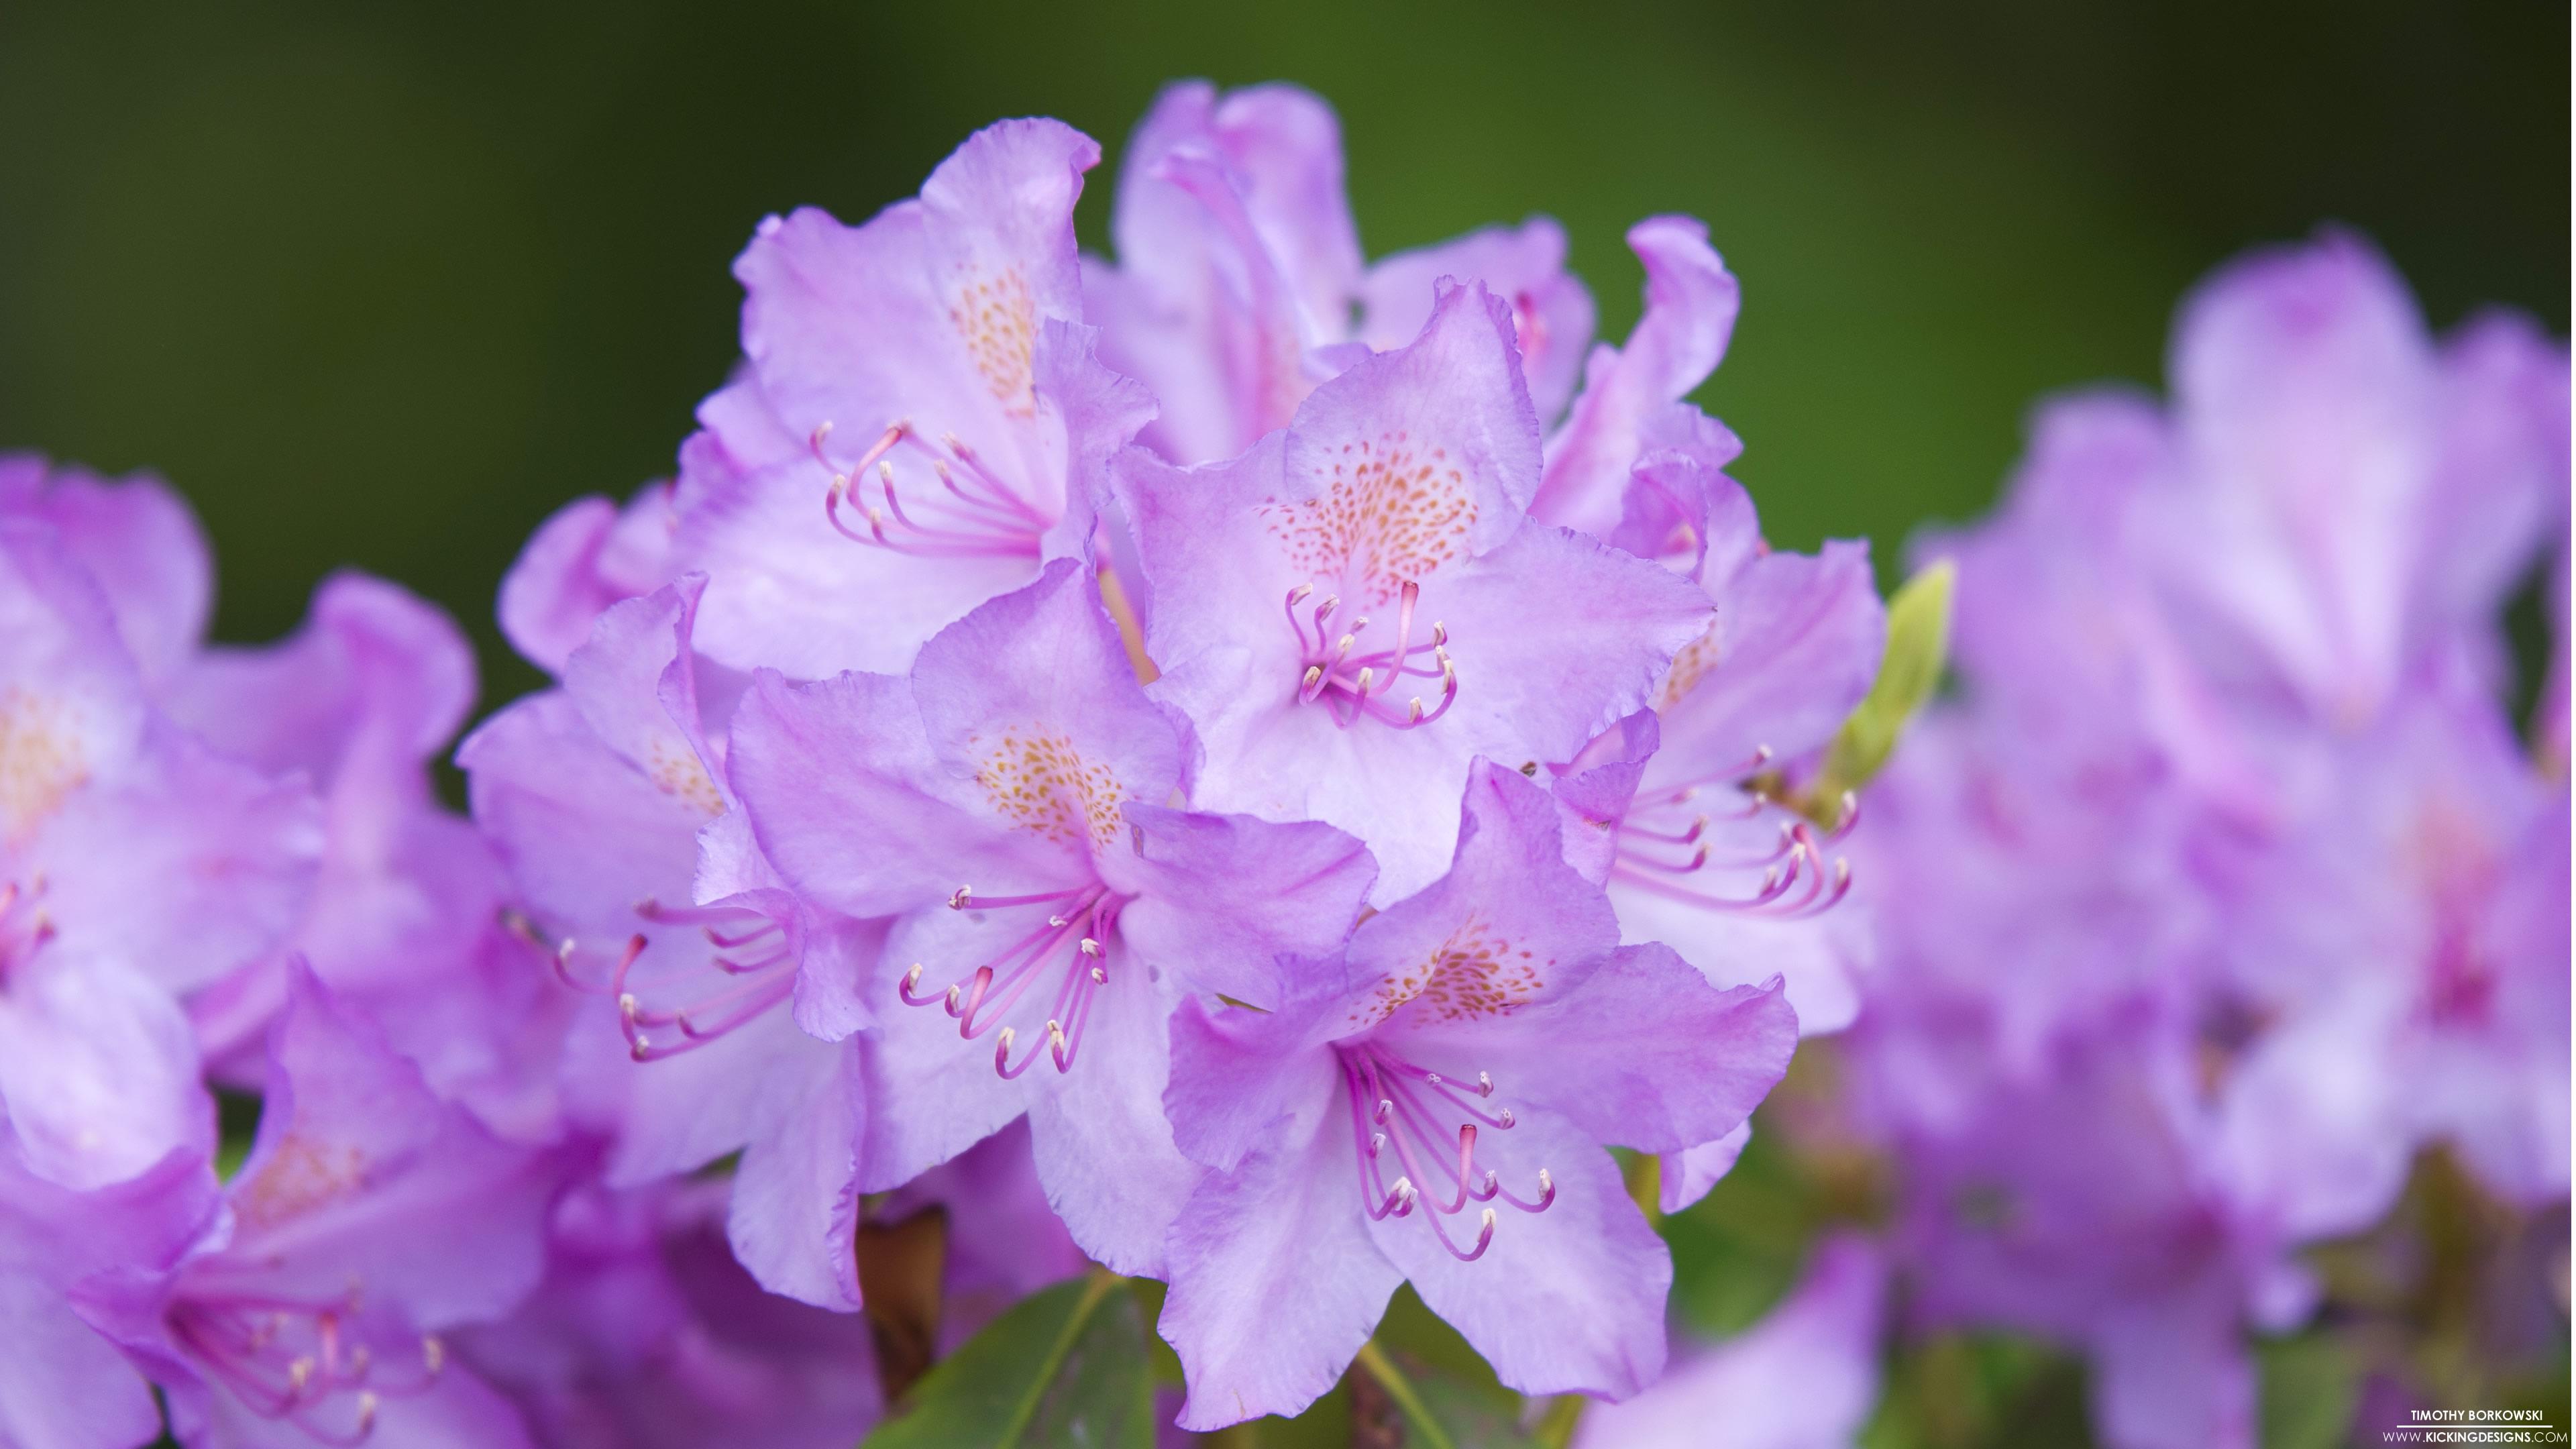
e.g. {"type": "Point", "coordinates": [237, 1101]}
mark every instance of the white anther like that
{"type": "Point", "coordinates": [1313, 673]}
{"type": "Point", "coordinates": [642, 1047]}
{"type": "Point", "coordinates": [626, 1008]}
{"type": "Point", "coordinates": [955, 993]}
{"type": "Point", "coordinates": [1546, 1184]}
{"type": "Point", "coordinates": [1090, 947]}
{"type": "Point", "coordinates": [1484, 1084]}
{"type": "Point", "coordinates": [1056, 921]}
{"type": "Point", "coordinates": [1432, 1077]}
{"type": "Point", "coordinates": [1055, 1031]}
{"type": "Point", "coordinates": [1344, 647]}
{"type": "Point", "coordinates": [959, 898]}
{"type": "Point", "coordinates": [1413, 715]}
{"type": "Point", "coordinates": [1504, 1118]}
{"type": "Point", "coordinates": [1385, 1109]}
{"type": "Point", "coordinates": [1099, 977]}
{"type": "Point", "coordinates": [1298, 594]}
{"type": "Point", "coordinates": [912, 978]}
{"type": "Point", "coordinates": [1331, 602]}
{"type": "Point", "coordinates": [298, 1374]}
{"type": "Point", "coordinates": [1377, 1143]}
{"type": "Point", "coordinates": [1367, 676]}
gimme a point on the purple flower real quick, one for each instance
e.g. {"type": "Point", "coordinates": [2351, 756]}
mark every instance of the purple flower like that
{"type": "Point", "coordinates": [134, 865]}
{"type": "Point", "coordinates": [1240, 274]}
{"type": "Point", "coordinates": [369, 1220]}
{"type": "Point", "coordinates": [136, 539]}
{"type": "Point", "coordinates": [1679, 812]}
{"type": "Point", "coordinates": [646, 1333]}
{"type": "Point", "coordinates": [406, 902]}
{"type": "Point", "coordinates": [1631, 400]}
{"type": "Point", "coordinates": [2089, 1199]}
{"type": "Point", "coordinates": [1005, 805]}
{"type": "Point", "coordinates": [721, 1006]}
{"type": "Point", "coordinates": [2347, 497]}
{"type": "Point", "coordinates": [2407, 941]}
{"type": "Point", "coordinates": [586, 556]}
{"type": "Point", "coordinates": [1805, 1377]}
{"type": "Point", "coordinates": [60, 1382]}
{"type": "Point", "coordinates": [920, 422]}
{"type": "Point", "coordinates": [1353, 610]}
{"type": "Point", "coordinates": [1480, 1042]}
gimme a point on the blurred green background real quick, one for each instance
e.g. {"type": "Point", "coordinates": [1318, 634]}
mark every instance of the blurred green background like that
{"type": "Point", "coordinates": [383, 284]}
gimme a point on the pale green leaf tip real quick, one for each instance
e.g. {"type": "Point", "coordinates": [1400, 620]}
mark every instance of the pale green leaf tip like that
{"type": "Point", "coordinates": [1918, 647]}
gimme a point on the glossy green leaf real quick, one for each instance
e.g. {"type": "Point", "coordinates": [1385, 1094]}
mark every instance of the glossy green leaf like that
{"type": "Point", "coordinates": [1067, 1366]}
{"type": "Point", "coordinates": [1918, 646]}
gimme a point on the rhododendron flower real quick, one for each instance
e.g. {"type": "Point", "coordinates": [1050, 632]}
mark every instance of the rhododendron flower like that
{"type": "Point", "coordinates": [645, 1334]}
{"type": "Point", "coordinates": [406, 903]}
{"type": "Point", "coordinates": [1240, 284]}
{"type": "Point", "coordinates": [1805, 1377]}
{"type": "Point", "coordinates": [920, 422]}
{"type": "Point", "coordinates": [60, 1382]}
{"type": "Point", "coordinates": [587, 555]}
{"type": "Point", "coordinates": [137, 540]}
{"type": "Point", "coordinates": [1681, 812]}
{"type": "Point", "coordinates": [2346, 499]}
{"type": "Point", "coordinates": [721, 1006]}
{"type": "Point", "coordinates": [135, 865]}
{"type": "Point", "coordinates": [1482, 1042]}
{"type": "Point", "coordinates": [369, 1219]}
{"type": "Point", "coordinates": [1006, 805]}
{"type": "Point", "coordinates": [1631, 404]}
{"type": "Point", "coordinates": [1356, 608]}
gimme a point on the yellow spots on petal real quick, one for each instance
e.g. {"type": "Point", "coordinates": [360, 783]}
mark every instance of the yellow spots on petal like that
{"type": "Point", "coordinates": [677, 772]}
{"type": "Point", "coordinates": [1040, 783]}
{"type": "Point", "coordinates": [301, 1175]}
{"type": "Point", "coordinates": [998, 321]}
{"type": "Point", "coordinates": [40, 758]}
{"type": "Point", "coordinates": [1384, 512]}
{"type": "Point", "coordinates": [1690, 666]}
{"type": "Point", "coordinates": [1474, 973]}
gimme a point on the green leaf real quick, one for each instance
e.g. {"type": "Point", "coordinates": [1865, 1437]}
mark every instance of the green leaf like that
{"type": "Point", "coordinates": [1737, 1251]}
{"type": "Point", "coordinates": [1065, 1366]}
{"type": "Point", "coordinates": [236, 1127]}
{"type": "Point", "coordinates": [1918, 646]}
{"type": "Point", "coordinates": [1441, 1389]}
{"type": "Point", "coordinates": [2311, 1388]}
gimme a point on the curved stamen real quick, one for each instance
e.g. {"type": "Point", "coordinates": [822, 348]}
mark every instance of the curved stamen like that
{"type": "Point", "coordinates": [972, 513]}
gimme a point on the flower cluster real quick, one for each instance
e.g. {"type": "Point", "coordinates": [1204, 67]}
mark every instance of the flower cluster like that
{"type": "Point", "coordinates": [1243, 765]}
{"type": "Point", "coordinates": [2226, 893]}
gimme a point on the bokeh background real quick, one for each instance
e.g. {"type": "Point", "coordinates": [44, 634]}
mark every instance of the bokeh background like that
{"type": "Point", "coordinates": [382, 285]}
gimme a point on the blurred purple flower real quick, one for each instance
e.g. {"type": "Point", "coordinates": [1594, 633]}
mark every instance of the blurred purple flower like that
{"type": "Point", "coordinates": [1805, 1377]}
{"type": "Point", "coordinates": [370, 1219]}
{"type": "Point", "coordinates": [135, 865]}
{"type": "Point", "coordinates": [646, 1334]}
